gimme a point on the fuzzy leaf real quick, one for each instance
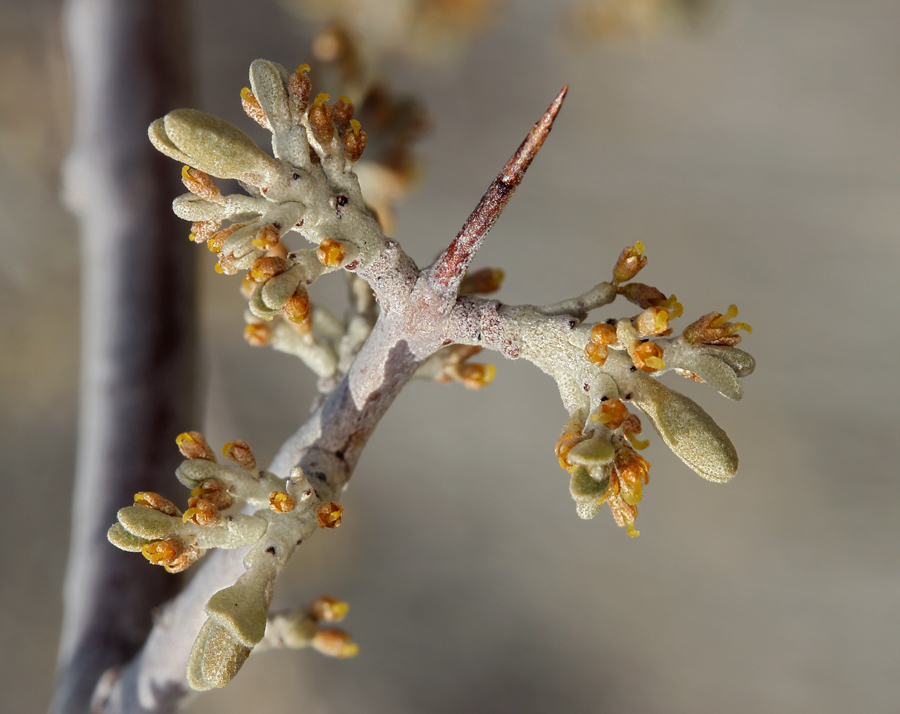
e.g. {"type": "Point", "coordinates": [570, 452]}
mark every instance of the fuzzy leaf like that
{"type": "Point", "coordinates": [687, 430]}
{"type": "Point", "coordinates": [121, 538]}
{"type": "Point", "coordinates": [147, 523]}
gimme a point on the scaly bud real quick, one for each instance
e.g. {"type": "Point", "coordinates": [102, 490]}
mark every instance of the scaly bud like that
{"type": "Point", "coordinates": [268, 267]}
{"type": "Point", "coordinates": [202, 231]}
{"type": "Point", "coordinates": [200, 184]}
{"type": "Point", "coordinates": [714, 329]}
{"type": "Point", "coordinates": [149, 499]}
{"type": "Point", "coordinates": [320, 119]}
{"type": "Point", "coordinates": [267, 238]}
{"type": "Point", "coordinates": [331, 252]}
{"type": "Point", "coordinates": [296, 309]}
{"type": "Point", "coordinates": [647, 356]}
{"type": "Point", "coordinates": [258, 334]}
{"type": "Point", "coordinates": [629, 264]}
{"type": "Point", "coordinates": [299, 88]}
{"type": "Point", "coordinates": [201, 512]}
{"type": "Point", "coordinates": [355, 142]}
{"type": "Point", "coordinates": [253, 109]}
{"type": "Point", "coordinates": [239, 452]}
{"type": "Point", "coordinates": [481, 282]}
{"type": "Point", "coordinates": [328, 609]}
{"type": "Point", "coordinates": [329, 514]}
{"type": "Point", "coordinates": [281, 502]}
{"type": "Point", "coordinates": [335, 643]}
{"type": "Point", "coordinates": [192, 445]}
{"type": "Point", "coordinates": [597, 349]}
{"type": "Point", "coordinates": [342, 111]}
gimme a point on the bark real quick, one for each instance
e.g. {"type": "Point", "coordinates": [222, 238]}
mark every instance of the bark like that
{"type": "Point", "coordinates": [138, 338]}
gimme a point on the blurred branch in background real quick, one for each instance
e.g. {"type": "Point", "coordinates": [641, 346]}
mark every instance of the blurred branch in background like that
{"type": "Point", "coordinates": [129, 64]}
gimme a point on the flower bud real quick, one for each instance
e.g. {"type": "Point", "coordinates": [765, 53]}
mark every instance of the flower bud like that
{"type": "Point", "coordinates": [629, 264]}
{"type": "Point", "coordinates": [281, 502]}
{"type": "Point", "coordinates": [192, 445]}
{"type": "Point", "coordinates": [331, 252]}
{"type": "Point", "coordinates": [258, 334]}
{"type": "Point", "coordinates": [335, 643]}
{"type": "Point", "coordinates": [320, 119]}
{"type": "Point", "coordinates": [329, 514]}
{"type": "Point", "coordinates": [328, 609]}
{"type": "Point", "coordinates": [481, 282]}
{"type": "Point", "coordinates": [239, 452]}
{"type": "Point", "coordinates": [253, 109]}
{"type": "Point", "coordinates": [355, 142]}
{"type": "Point", "coordinates": [149, 499]}
{"type": "Point", "coordinates": [297, 308]}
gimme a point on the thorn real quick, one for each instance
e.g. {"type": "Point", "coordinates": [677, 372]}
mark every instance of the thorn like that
{"type": "Point", "coordinates": [448, 271]}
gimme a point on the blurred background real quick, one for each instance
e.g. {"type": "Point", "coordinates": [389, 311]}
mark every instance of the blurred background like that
{"type": "Point", "coordinates": [754, 147]}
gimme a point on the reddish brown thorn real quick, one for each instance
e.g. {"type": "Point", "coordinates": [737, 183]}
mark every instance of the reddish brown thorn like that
{"type": "Point", "coordinates": [448, 271]}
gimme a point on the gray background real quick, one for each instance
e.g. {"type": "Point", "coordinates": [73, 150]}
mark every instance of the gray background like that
{"type": "Point", "coordinates": [759, 161]}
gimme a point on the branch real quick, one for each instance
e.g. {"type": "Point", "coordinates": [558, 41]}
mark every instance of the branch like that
{"type": "Point", "coordinates": [451, 266]}
{"type": "Point", "coordinates": [137, 321]}
{"type": "Point", "coordinates": [598, 368]}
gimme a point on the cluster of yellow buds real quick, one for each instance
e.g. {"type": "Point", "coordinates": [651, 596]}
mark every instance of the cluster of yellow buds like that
{"type": "Point", "coordinates": [603, 462]}
{"type": "Point", "coordinates": [600, 452]}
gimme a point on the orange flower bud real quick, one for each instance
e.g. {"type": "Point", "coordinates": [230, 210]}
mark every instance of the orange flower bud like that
{"type": "Point", "coordinates": [239, 452]}
{"type": "Point", "coordinates": [335, 643]}
{"type": "Point", "coordinates": [612, 413]}
{"type": "Point", "coordinates": [342, 111]}
{"type": "Point", "coordinates": [329, 514]}
{"type": "Point", "coordinates": [328, 609]}
{"type": "Point", "coordinates": [714, 329]}
{"type": "Point", "coordinates": [267, 238]}
{"type": "Point", "coordinates": [647, 356]}
{"type": "Point", "coordinates": [268, 267]}
{"type": "Point", "coordinates": [320, 119]}
{"type": "Point", "coordinates": [258, 335]}
{"type": "Point", "coordinates": [214, 491]}
{"type": "Point", "coordinates": [192, 445]}
{"type": "Point", "coordinates": [299, 87]}
{"type": "Point", "coordinates": [253, 109]}
{"type": "Point", "coordinates": [629, 264]}
{"type": "Point", "coordinates": [281, 502]}
{"type": "Point", "coordinates": [200, 184]}
{"type": "Point", "coordinates": [149, 499]}
{"type": "Point", "coordinates": [481, 282]}
{"type": "Point", "coordinates": [653, 321]}
{"type": "Point", "coordinates": [296, 309]}
{"type": "Point", "coordinates": [331, 252]}
{"type": "Point", "coordinates": [201, 512]}
{"type": "Point", "coordinates": [355, 142]}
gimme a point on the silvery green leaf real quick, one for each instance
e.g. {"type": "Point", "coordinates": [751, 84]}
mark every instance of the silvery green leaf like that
{"type": "Point", "coordinates": [584, 486]}
{"type": "Point", "coordinates": [121, 538]}
{"type": "Point", "coordinates": [687, 430]}
{"type": "Point", "coordinates": [241, 609]}
{"type": "Point", "coordinates": [269, 84]}
{"type": "Point", "coordinates": [211, 145]}
{"type": "Point", "coordinates": [719, 375]}
{"type": "Point", "coordinates": [147, 523]}
{"type": "Point", "coordinates": [592, 452]}
{"type": "Point", "coordinates": [193, 208]}
{"type": "Point", "coordinates": [742, 363]}
{"type": "Point", "coordinates": [231, 532]}
{"type": "Point", "coordinates": [215, 658]}
{"type": "Point", "coordinates": [278, 290]}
